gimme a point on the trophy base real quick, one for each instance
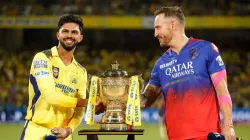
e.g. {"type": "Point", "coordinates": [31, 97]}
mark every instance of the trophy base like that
{"type": "Point", "coordinates": [112, 126]}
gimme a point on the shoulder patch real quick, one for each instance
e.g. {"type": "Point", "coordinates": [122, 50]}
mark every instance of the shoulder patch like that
{"type": "Point", "coordinates": [48, 52]}
{"type": "Point", "coordinates": [84, 70]}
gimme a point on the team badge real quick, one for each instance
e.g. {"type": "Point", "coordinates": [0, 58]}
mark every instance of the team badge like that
{"type": "Point", "coordinates": [55, 71]}
{"type": "Point", "coordinates": [74, 81]}
{"type": "Point", "coordinates": [193, 53]}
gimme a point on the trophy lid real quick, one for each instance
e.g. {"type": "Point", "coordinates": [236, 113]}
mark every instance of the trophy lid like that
{"type": "Point", "coordinates": [115, 71]}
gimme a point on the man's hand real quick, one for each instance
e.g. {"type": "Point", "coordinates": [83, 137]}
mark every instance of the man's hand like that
{"type": "Point", "coordinates": [82, 102]}
{"type": "Point", "coordinates": [143, 101]}
{"type": "Point", "coordinates": [61, 133]}
{"type": "Point", "coordinates": [228, 133]}
{"type": "Point", "coordinates": [99, 108]}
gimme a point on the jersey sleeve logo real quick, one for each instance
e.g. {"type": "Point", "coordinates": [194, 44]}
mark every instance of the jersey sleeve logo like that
{"type": "Point", "coordinates": [40, 64]}
{"type": "Point", "coordinates": [55, 72]}
{"type": "Point", "coordinates": [219, 60]}
{"type": "Point", "coordinates": [42, 73]}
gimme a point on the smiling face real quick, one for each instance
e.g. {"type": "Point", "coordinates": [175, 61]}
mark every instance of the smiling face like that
{"type": "Point", "coordinates": [69, 35]}
{"type": "Point", "coordinates": [163, 30]}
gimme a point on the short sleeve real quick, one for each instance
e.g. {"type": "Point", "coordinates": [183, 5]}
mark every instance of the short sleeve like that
{"type": "Point", "coordinates": [154, 79]}
{"type": "Point", "coordinates": [215, 62]}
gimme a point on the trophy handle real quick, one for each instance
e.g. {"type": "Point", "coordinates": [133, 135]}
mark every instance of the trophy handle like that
{"type": "Point", "coordinates": [88, 85]}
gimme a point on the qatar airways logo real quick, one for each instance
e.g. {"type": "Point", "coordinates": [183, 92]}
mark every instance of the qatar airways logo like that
{"type": "Point", "coordinates": [180, 70]}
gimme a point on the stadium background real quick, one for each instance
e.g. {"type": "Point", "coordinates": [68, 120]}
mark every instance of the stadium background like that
{"type": "Point", "coordinates": [118, 30]}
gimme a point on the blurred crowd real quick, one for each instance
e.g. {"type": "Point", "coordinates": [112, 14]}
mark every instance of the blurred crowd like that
{"type": "Point", "coordinates": [122, 7]}
{"type": "Point", "coordinates": [14, 73]}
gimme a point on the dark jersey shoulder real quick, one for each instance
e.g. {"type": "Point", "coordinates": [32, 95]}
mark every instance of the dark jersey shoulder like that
{"type": "Point", "coordinates": [48, 52]}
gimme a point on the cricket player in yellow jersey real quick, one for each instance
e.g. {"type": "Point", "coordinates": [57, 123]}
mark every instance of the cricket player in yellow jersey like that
{"type": "Point", "coordinates": [57, 86]}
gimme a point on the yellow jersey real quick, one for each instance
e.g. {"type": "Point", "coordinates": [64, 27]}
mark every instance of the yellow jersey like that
{"type": "Point", "coordinates": [54, 89]}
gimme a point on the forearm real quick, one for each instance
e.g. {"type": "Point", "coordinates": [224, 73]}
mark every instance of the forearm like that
{"type": "Point", "coordinates": [77, 118]}
{"type": "Point", "coordinates": [150, 95]}
{"type": "Point", "coordinates": [224, 100]}
{"type": "Point", "coordinates": [226, 110]}
{"type": "Point", "coordinates": [60, 100]}
{"type": "Point", "coordinates": [225, 104]}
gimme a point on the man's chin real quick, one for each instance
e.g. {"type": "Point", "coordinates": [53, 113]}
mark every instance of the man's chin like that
{"type": "Point", "coordinates": [68, 48]}
{"type": "Point", "coordinates": [165, 46]}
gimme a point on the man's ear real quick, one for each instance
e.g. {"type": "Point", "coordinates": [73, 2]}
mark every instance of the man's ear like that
{"type": "Point", "coordinates": [81, 39]}
{"type": "Point", "coordinates": [57, 35]}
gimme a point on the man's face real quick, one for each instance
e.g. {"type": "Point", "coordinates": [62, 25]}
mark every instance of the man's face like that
{"type": "Point", "coordinates": [162, 30]}
{"type": "Point", "coordinates": [69, 36]}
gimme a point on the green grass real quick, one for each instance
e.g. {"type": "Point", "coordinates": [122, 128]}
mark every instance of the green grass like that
{"type": "Point", "coordinates": [13, 132]}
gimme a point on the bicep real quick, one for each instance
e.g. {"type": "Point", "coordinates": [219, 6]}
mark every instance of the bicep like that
{"type": "Point", "coordinates": [220, 83]}
{"type": "Point", "coordinates": [41, 71]}
{"type": "Point", "coordinates": [215, 62]}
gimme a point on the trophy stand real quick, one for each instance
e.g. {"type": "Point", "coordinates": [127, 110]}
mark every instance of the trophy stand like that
{"type": "Point", "coordinates": [92, 134]}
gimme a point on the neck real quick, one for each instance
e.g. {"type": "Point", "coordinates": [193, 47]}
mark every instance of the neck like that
{"type": "Point", "coordinates": [66, 56]}
{"type": "Point", "coordinates": [179, 42]}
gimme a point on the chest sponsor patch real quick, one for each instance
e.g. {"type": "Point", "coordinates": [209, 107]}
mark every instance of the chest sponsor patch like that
{"type": "Point", "coordinates": [180, 70]}
{"type": "Point", "coordinates": [65, 88]}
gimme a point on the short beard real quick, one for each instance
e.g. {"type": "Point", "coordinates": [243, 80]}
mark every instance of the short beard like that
{"type": "Point", "coordinates": [68, 48]}
{"type": "Point", "coordinates": [165, 46]}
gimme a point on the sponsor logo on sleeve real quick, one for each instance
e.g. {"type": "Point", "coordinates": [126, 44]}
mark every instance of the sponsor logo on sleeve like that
{"type": "Point", "coordinates": [40, 64]}
{"type": "Point", "coordinates": [219, 60]}
{"type": "Point", "coordinates": [42, 73]}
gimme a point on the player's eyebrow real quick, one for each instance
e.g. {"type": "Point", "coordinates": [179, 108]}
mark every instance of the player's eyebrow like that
{"type": "Point", "coordinates": [157, 26]}
{"type": "Point", "coordinates": [73, 31]}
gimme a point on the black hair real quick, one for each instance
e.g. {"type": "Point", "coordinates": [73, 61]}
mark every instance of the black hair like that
{"type": "Point", "coordinates": [66, 18]}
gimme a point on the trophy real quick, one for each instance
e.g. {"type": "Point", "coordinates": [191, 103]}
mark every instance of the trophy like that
{"type": "Point", "coordinates": [118, 92]}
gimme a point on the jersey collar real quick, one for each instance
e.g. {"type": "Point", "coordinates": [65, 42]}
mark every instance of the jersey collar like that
{"type": "Point", "coordinates": [171, 52]}
{"type": "Point", "coordinates": [55, 53]}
